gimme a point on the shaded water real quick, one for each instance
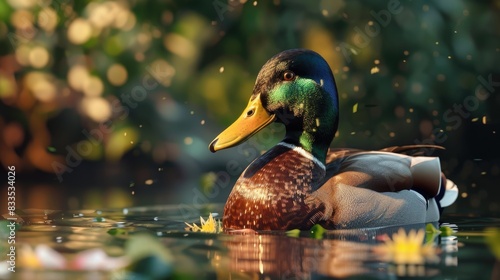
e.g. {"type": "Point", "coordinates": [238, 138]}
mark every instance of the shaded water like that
{"type": "Point", "coordinates": [268, 255]}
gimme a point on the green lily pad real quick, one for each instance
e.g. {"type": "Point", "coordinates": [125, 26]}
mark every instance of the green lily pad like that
{"type": "Point", "coordinates": [317, 232]}
{"type": "Point", "coordinates": [117, 231]}
{"type": "Point", "coordinates": [446, 231]}
{"type": "Point", "coordinates": [293, 233]}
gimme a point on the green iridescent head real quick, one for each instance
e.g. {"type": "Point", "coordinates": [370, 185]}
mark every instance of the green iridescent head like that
{"type": "Point", "coordinates": [295, 87]}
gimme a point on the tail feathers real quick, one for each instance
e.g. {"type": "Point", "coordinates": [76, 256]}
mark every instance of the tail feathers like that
{"type": "Point", "coordinates": [413, 150]}
{"type": "Point", "coordinates": [450, 193]}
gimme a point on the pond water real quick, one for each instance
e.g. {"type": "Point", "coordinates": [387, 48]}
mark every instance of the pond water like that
{"type": "Point", "coordinates": [70, 245]}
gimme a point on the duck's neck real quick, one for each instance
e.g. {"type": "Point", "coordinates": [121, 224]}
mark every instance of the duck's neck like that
{"type": "Point", "coordinates": [309, 142]}
{"type": "Point", "coordinates": [314, 132]}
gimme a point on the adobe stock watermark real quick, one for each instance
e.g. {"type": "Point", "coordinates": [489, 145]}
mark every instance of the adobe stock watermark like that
{"type": "Point", "coordinates": [11, 226]}
{"type": "Point", "coordinates": [223, 7]}
{"type": "Point", "coordinates": [371, 30]}
{"type": "Point", "coordinates": [454, 117]}
{"type": "Point", "coordinates": [155, 74]}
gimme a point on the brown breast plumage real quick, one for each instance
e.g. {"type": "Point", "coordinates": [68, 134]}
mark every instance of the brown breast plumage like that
{"type": "Point", "coordinates": [271, 192]}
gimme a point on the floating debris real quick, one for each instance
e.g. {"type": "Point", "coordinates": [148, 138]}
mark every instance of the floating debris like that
{"type": "Point", "coordinates": [374, 70]}
{"type": "Point", "coordinates": [355, 108]}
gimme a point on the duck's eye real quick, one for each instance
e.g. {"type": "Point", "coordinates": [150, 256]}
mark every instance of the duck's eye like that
{"type": "Point", "coordinates": [288, 75]}
{"type": "Point", "coordinates": [250, 112]}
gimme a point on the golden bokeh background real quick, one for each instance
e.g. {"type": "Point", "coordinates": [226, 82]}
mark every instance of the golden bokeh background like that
{"type": "Point", "coordinates": [113, 103]}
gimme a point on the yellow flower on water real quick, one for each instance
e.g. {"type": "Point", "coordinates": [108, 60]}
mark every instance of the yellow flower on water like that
{"type": "Point", "coordinates": [28, 258]}
{"type": "Point", "coordinates": [210, 225]}
{"type": "Point", "coordinates": [407, 249]}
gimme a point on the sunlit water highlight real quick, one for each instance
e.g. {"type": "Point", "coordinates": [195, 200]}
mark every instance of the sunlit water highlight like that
{"type": "Point", "coordinates": [359, 253]}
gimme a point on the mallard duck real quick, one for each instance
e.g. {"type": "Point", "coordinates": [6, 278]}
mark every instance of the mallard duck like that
{"type": "Point", "coordinates": [301, 182]}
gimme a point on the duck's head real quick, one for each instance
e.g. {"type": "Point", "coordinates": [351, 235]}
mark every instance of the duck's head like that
{"type": "Point", "coordinates": [295, 87]}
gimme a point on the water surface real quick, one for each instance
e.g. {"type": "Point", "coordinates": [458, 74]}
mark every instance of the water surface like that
{"type": "Point", "coordinates": [460, 254]}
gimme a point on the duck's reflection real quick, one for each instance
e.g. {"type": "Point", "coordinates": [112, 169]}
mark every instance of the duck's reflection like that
{"type": "Point", "coordinates": [341, 253]}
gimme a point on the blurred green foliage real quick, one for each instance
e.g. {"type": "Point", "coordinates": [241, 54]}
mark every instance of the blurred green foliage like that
{"type": "Point", "coordinates": [101, 79]}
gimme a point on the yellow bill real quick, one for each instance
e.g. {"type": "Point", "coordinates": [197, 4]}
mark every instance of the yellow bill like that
{"type": "Point", "coordinates": [253, 119]}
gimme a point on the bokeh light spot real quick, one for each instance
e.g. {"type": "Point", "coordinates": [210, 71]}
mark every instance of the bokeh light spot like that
{"type": "Point", "coordinates": [79, 31]}
{"type": "Point", "coordinates": [125, 20]}
{"type": "Point", "coordinates": [47, 19]}
{"type": "Point", "coordinates": [426, 127]}
{"type": "Point", "coordinates": [93, 86]}
{"type": "Point", "coordinates": [179, 45]}
{"type": "Point", "coordinates": [21, 4]}
{"type": "Point", "coordinates": [78, 76]}
{"type": "Point", "coordinates": [162, 72]}
{"type": "Point", "coordinates": [39, 57]}
{"type": "Point", "coordinates": [96, 108]}
{"type": "Point", "coordinates": [399, 111]}
{"type": "Point", "coordinates": [43, 89]}
{"type": "Point", "coordinates": [7, 87]}
{"type": "Point", "coordinates": [102, 15]}
{"type": "Point", "coordinates": [188, 140]}
{"type": "Point", "coordinates": [117, 74]}
{"type": "Point", "coordinates": [22, 55]}
{"type": "Point", "coordinates": [22, 19]}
